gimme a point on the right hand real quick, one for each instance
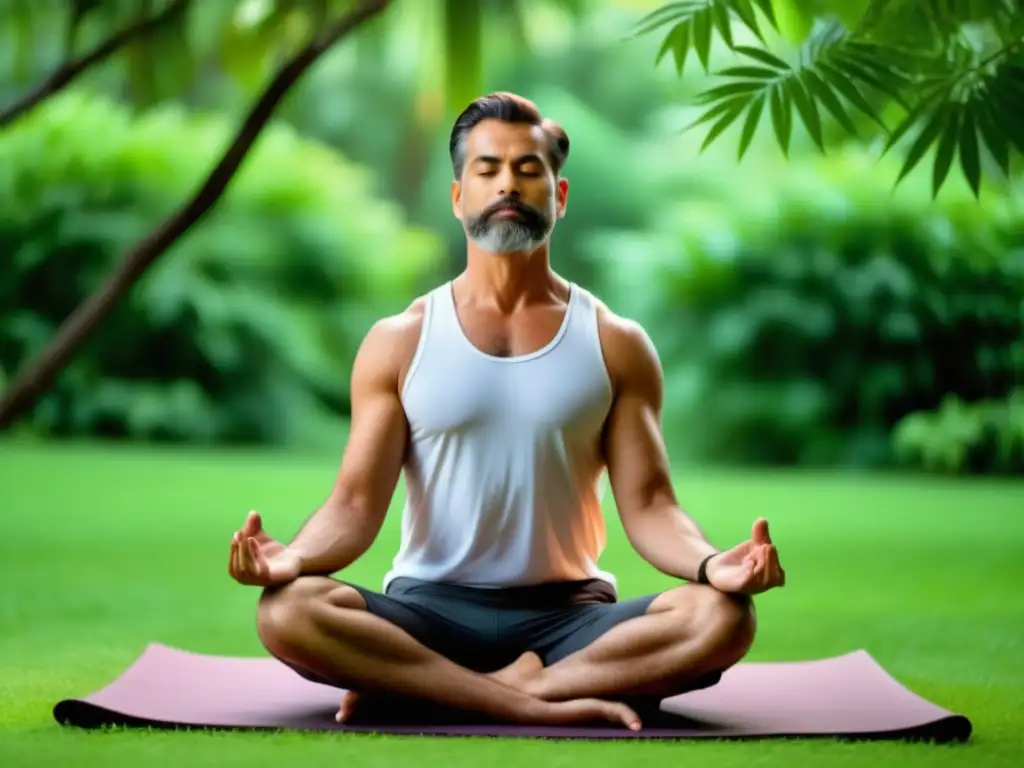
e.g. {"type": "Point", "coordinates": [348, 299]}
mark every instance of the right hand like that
{"type": "Point", "coordinates": [583, 711]}
{"type": "Point", "coordinates": [258, 560]}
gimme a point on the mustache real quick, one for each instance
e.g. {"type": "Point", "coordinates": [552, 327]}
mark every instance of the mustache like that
{"type": "Point", "coordinates": [516, 205]}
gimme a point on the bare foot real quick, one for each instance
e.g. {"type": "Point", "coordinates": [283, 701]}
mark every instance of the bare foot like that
{"type": "Point", "coordinates": [348, 706]}
{"type": "Point", "coordinates": [521, 673]}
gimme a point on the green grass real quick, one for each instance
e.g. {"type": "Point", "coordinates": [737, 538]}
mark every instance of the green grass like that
{"type": "Point", "coordinates": [106, 550]}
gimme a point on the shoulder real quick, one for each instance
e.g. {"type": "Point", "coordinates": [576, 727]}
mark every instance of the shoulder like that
{"type": "Point", "coordinates": [389, 345]}
{"type": "Point", "coordinates": [629, 351]}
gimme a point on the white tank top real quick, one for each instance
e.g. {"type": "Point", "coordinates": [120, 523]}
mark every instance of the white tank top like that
{"type": "Point", "coordinates": [504, 466]}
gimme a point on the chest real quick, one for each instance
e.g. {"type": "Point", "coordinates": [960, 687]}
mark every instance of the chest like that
{"type": "Point", "coordinates": [557, 391]}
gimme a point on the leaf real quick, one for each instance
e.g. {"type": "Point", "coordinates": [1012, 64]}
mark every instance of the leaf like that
{"type": "Point", "coordinates": [673, 13]}
{"type": "Point", "coordinates": [946, 149]}
{"type": "Point", "coordinates": [750, 124]}
{"type": "Point", "coordinates": [846, 88]}
{"type": "Point", "coordinates": [970, 162]}
{"type": "Point", "coordinates": [702, 37]}
{"type": "Point", "coordinates": [727, 118]}
{"type": "Point", "coordinates": [723, 22]}
{"type": "Point", "coordinates": [995, 136]}
{"type": "Point", "coordinates": [808, 110]}
{"type": "Point", "coordinates": [828, 99]}
{"type": "Point", "coordinates": [719, 109]}
{"type": "Point", "coordinates": [762, 55]}
{"type": "Point", "coordinates": [760, 72]}
{"type": "Point", "coordinates": [729, 89]}
{"type": "Point", "coordinates": [678, 42]}
{"type": "Point", "coordinates": [925, 139]}
{"type": "Point", "coordinates": [781, 117]}
{"type": "Point", "coordinates": [745, 13]}
{"type": "Point", "coordinates": [927, 103]}
{"type": "Point", "coordinates": [888, 84]}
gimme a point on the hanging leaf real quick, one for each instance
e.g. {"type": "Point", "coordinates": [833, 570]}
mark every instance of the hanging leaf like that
{"type": "Point", "coordinates": [970, 160]}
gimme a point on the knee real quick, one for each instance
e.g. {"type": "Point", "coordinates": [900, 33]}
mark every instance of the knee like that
{"type": "Point", "coordinates": [287, 612]}
{"type": "Point", "coordinates": [729, 624]}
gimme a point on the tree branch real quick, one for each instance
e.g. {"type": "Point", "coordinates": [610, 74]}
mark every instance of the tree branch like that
{"type": "Point", "coordinates": [28, 385]}
{"type": "Point", "coordinates": [71, 70]}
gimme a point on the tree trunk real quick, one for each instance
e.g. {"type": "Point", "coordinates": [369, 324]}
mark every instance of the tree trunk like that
{"type": "Point", "coordinates": [29, 384]}
{"type": "Point", "coordinates": [70, 70]}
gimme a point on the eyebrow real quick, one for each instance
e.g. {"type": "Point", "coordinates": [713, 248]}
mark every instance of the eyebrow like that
{"type": "Point", "coordinates": [492, 160]}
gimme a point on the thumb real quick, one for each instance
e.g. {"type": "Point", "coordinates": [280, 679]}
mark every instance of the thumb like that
{"type": "Point", "coordinates": [760, 533]}
{"type": "Point", "coordinates": [253, 523]}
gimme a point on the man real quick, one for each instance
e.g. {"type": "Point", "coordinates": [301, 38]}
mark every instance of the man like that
{"type": "Point", "coordinates": [504, 395]}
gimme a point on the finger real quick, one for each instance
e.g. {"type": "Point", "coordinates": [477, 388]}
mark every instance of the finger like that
{"type": "Point", "coordinates": [239, 563]}
{"type": "Point", "coordinates": [233, 557]}
{"type": "Point", "coordinates": [250, 557]}
{"type": "Point", "coordinates": [258, 558]}
{"type": "Point", "coordinates": [252, 523]}
{"type": "Point", "coordinates": [760, 532]}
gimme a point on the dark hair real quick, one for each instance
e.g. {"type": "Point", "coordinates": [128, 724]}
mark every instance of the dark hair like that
{"type": "Point", "coordinates": [509, 108]}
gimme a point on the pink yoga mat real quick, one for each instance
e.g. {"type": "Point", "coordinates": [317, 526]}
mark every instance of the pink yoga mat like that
{"type": "Point", "coordinates": [848, 696]}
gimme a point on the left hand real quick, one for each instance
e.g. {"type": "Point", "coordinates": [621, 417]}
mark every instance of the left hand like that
{"type": "Point", "coordinates": [750, 567]}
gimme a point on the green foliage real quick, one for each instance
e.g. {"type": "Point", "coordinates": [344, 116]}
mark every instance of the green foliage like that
{"type": "Point", "coordinates": [246, 329]}
{"type": "Point", "coordinates": [802, 317]}
{"type": "Point", "coordinates": [986, 437]}
{"type": "Point", "coordinates": [951, 72]}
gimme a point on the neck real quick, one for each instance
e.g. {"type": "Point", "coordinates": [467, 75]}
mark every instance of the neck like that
{"type": "Point", "coordinates": [508, 281]}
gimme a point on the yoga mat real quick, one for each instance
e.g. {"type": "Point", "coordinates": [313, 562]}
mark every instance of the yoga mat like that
{"type": "Point", "coordinates": [848, 696]}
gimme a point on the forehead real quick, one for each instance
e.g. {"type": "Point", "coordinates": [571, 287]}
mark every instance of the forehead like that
{"type": "Point", "coordinates": [495, 138]}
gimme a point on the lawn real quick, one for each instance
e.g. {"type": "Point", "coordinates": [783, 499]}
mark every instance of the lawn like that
{"type": "Point", "coordinates": [106, 550]}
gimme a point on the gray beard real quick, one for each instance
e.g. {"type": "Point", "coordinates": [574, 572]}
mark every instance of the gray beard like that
{"type": "Point", "coordinates": [509, 236]}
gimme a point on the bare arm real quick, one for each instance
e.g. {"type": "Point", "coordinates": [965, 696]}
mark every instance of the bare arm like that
{"type": "Point", "coordinates": [348, 522]}
{"type": "Point", "coordinates": [638, 467]}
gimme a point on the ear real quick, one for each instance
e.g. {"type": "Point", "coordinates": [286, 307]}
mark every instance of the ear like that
{"type": "Point", "coordinates": [457, 199]}
{"type": "Point", "coordinates": [562, 197]}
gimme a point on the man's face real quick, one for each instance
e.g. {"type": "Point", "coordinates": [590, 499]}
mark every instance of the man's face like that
{"type": "Point", "coordinates": [508, 198]}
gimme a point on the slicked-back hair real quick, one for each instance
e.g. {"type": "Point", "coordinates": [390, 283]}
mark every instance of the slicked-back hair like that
{"type": "Point", "coordinates": [509, 108]}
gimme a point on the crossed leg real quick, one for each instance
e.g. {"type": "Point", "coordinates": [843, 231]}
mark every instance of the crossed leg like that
{"type": "Point", "coordinates": [322, 626]}
{"type": "Point", "coordinates": [687, 634]}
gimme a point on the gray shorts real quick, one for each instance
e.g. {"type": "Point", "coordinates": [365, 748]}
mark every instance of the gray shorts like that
{"type": "Point", "coordinates": [487, 629]}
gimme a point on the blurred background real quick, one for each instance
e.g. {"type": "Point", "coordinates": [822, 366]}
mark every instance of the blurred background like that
{"type": "Point", "coordinates": [809, 313]}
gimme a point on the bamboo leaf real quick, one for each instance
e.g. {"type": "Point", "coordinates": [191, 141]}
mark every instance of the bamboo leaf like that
{"type": "Point", "coordinates": [757, 72]}
{"type": "Point", "coordinates": [995, 136]}
{"type": "Point", "coordinates": [970, 162]}
{"type": "Point", "coordinates": [668, 14]}
{"type": "Point", "coordinates": [819, 89]}
{"type": "Point", "coordinates": [781, 106]}
{"type": "Point", "coordinates": [807, 109]}
{"type": "Point", "coordinates": [678, 42]}
{"type": "Point", "coordinates": [763, 56]}
{"type": "Point", "coordinates": [928, 103]}
{"type": "Point", "coordinates": [846, 88]}
{"type": "Point", "coordinates": [890, 86]}
{"type": "Point", "coordinates": [746, 14]}
{"type": "Point", "coordinates": [769, 12]}
{"type": "Point", "coordinates": [719, 109]}
{"type": "Point", "coordinates": [727, 118]}
{"type": "Point", "coordinates": [946, 149]}
{"type": "Point", "coordinates": [750, 124]}
{"type": "Point", "coordinates": [729, 89]}
{"type": "Point", "coordinates": [925, 139]}
{"type": "Point", "coordinates": [702, 37]}
{"type": "Point", "coordinates": [722, 22]}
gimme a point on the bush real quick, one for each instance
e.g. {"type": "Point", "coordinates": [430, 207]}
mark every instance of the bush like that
{"type": "Point", "coordinates": [801, 317]}
{"type": "Point", "coordinates": [986, 437]}
{"type": "Point", "coordinates": [245, 330]}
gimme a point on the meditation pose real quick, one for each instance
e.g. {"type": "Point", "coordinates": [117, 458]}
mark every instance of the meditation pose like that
{"type": "Point", "coordinates": [504, 396]}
